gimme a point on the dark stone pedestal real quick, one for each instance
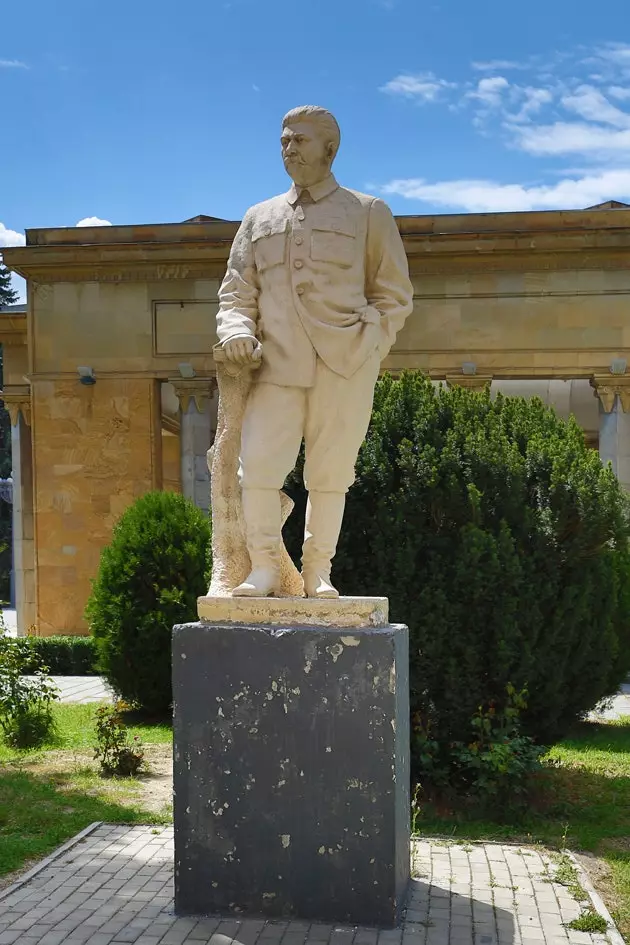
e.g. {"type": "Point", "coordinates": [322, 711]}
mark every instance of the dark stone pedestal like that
{"type": "Point", "coordinates": [291, 771]}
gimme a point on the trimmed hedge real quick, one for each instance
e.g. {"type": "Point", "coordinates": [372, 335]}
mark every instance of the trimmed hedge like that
{"type": "Point", "coordinates": [63, 655]}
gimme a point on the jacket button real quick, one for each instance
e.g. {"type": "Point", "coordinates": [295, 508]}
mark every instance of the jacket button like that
{"type": "Point", "coordinates": [298, 263]}
{"type": "Point", "coordinates": [299, 240]}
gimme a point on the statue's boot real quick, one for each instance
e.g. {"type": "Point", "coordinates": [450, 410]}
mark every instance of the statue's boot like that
{"type": "Point", "coordinates": [324, 514]}
{"type": "Point", "coordinates": [263, 527]}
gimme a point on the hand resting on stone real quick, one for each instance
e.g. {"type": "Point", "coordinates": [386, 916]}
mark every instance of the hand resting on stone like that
{"type": "Point", "coordinates": [242, 350]}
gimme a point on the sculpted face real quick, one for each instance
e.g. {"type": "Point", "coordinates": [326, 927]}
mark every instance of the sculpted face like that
{"type": "Point", "coordinates": [306, 153]}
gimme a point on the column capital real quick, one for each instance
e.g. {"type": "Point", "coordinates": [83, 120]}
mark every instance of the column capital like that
{"type": "Point", "coordinates": [476, 382]}
{"type": "Point", "coordinates": [197, 389]}
{"type": "Point", "coordinates": [608, 386]}
{"type": "Point", "coordinates": [17, 400]}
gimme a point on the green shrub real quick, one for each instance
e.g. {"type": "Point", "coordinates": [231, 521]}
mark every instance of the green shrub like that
{"type": "Point", "coordinates": [26, 717]}
{"type": "Point", "coordinates": [149, 579]}
{"type": "Point", "coordinates": [113, 750]}
{"type": "Point", "coordinates": [63, 655]}
{"type": "Point", "coordinates": [502, 542]}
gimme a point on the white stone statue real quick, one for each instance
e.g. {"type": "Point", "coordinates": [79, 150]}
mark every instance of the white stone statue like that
{"type": "Point", "coordinates": [317, 287]}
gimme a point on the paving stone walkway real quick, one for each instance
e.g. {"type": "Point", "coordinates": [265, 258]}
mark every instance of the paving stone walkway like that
{"type": "Point", "coordinates": [619, 705]}
{"type": "Point", "coordinates": [113, 885]}
{"type": "Point", "coordinates": [82, 689]}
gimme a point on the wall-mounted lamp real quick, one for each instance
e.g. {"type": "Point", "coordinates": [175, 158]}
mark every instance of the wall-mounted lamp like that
{"type": "Point", "coordinates": [469, 367]}
{"type": "Point", "coordinates": [618, 366]}
{"type": "Point", "coordinates": [86, 375]}
{"type": "Point", "coordinates": [186, 370]}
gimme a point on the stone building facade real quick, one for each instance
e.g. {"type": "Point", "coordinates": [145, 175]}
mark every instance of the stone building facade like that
{"type": "Point", "coordinates": [109, 378]}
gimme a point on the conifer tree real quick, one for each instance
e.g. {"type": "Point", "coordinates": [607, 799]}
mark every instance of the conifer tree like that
{"type": "Point", "coordinates": [8, 295]}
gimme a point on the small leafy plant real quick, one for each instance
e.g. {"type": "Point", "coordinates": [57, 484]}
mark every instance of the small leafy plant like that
{"type": "Point", "coordinates": [115, 752]}
{"type": "Point", "coordinates": [26, 717]}
{"type": "Point", "coordinates": [589, 921]}
{"type": "Point", "coordinates": [493, 765]}
{"type": "Point", "coordinates": [499, 759]}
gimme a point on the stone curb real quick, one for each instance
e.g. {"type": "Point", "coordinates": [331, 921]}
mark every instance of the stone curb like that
{"type": "Point", "coordinates": [612, 932]}
{"type": "Point", "coordinates": [68, 845]}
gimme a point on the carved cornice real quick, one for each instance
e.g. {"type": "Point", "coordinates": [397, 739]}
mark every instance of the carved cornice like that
{"type": "Point", "coordinates": [197, 389]}
{"type": "Point", "coordinates": [17, 400]}
{"type": "Point", "coordinates": [470, 243]}
{"type": "Point", "coordinates": [609, 386]}
{"type": "Point", "coordinates": [115, 262]}
{"type": "Point", "coordinates": [469, 381]}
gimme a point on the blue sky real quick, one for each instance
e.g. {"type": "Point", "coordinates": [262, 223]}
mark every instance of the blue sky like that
{"type": "Point", "coordinates": [141, 112]}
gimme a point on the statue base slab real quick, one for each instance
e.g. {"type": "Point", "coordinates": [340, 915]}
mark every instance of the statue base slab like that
{"type": "Point", "coordinates": [291, 772]}
{"type": "Point", "coordinates": [295, 611]}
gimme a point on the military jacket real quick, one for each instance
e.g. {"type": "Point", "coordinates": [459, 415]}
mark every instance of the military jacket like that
{"type": "Point", "coordinates": [323, 273]}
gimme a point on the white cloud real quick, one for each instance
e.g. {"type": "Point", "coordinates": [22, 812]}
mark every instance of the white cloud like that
{"type": "Point", "coordinates": [619, 92]}
{"type": "Point", "coordinates": [490, 91]}
{"type": "Point", "coordinates": [12, 64]}
{"type": "Point", "coordinates": [494, 65]}
{"type": "Point", "coordinates": [93, 221]}
{"type": "Point", "coordinates": [531, 100]}
{"type": "Point", "coordinates": [591, 104]}
{"type": "Point", "coordinates": [11, 237]}
{"type": "Point", "coordinates": [480, 196]}
{"type": "Point", "coordinates": [572, 138]}
{"type": "Point", "coordinates": [616, 53]}
{"type": "Point", "coordinates": [424, 87]}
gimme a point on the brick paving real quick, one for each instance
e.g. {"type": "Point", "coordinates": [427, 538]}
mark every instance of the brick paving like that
{"type": "Point", "coordinates": [114, 887]}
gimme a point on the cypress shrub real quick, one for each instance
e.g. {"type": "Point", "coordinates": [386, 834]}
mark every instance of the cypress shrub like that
{"type": "Point", "coordinates": [149, 579]}
{"type": "Point", "coordinates": [502, 542]}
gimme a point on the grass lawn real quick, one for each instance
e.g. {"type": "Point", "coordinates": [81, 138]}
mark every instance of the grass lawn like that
{"type": "Point", "coordinates": [584, 805]}
{"type": "Point", "coordinates": [48, 795]}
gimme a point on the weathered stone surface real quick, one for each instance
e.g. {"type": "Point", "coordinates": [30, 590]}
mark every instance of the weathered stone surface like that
{"type": "Point", "coordinates": [95, 450]}
{"type": "Point", "coordinates": [291, 771]}
{"type": "Point", "coordinates": [230, 559]}
{"type": "Point", "coordinates": [295, 611]}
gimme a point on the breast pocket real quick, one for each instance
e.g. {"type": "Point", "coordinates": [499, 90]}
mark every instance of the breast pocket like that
{"type": "Point", "coordinates": [270, 242]}
{"type": "Point", "coordinates": [334, 243]}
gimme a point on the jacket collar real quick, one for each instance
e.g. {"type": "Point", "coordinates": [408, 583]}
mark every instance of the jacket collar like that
{"type": "Point", "coordinates": [317, 191]}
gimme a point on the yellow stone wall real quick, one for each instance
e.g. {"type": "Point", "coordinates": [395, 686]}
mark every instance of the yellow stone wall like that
{"type": "Point", "coordinates": [124, 328]}
{"type": "Point", "coordinates": [95, 450]}
{"type": "Point", "coordinates": [171, 465]}
{"type": "Point", "coordinates": [516, 324]}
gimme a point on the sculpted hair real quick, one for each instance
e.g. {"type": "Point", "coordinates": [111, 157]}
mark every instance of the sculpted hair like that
{"type": "Point", "coordinates": [325, 121]}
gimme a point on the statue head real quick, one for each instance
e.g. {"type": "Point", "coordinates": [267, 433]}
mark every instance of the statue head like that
{"type": "Point", "coordinates": [310, 141]}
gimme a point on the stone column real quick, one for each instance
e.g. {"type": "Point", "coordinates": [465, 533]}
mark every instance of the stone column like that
{"type": "Point", "coordinates": [18, 404]}
{"type": "Point", "coordinates": [198, 401]}
{"type": "Point", "coordinates": [613, 392]}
